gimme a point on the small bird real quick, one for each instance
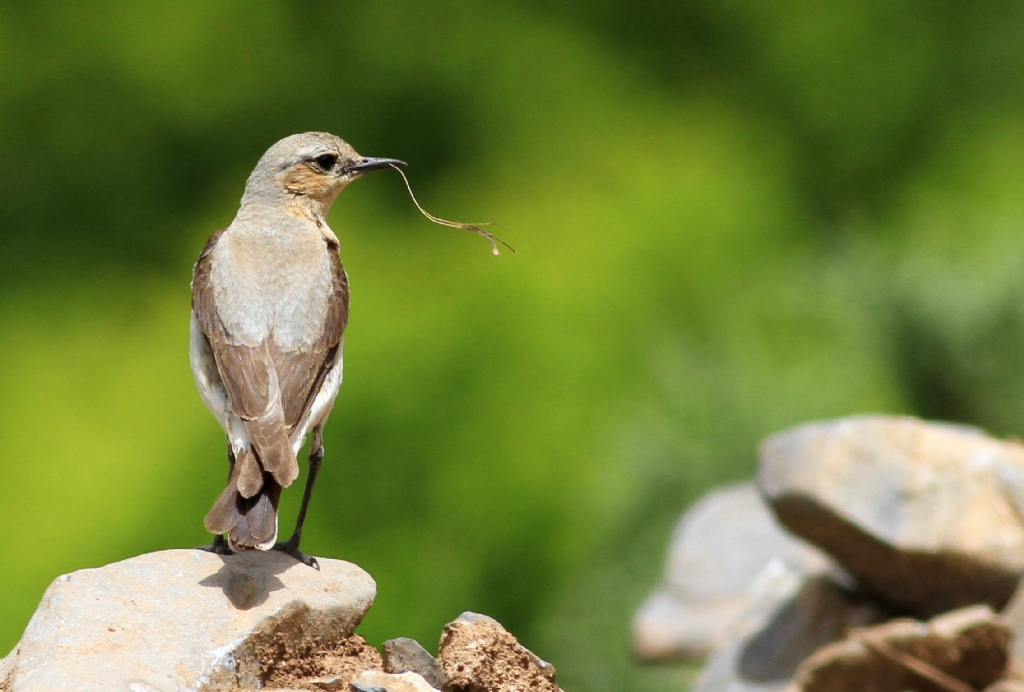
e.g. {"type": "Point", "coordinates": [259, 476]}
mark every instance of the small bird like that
{"type": "Point", "coordinates": [270, 304]}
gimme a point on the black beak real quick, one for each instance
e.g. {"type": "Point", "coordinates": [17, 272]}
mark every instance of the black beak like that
{"type": "Point", "coordinates": [371, 164]}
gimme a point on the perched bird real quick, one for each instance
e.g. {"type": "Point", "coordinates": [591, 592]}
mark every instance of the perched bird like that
{"type": "Point", "coordinates": [269, 307]}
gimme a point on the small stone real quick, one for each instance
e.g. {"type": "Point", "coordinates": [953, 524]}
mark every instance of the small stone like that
{"type": "Point", "coordinates": [790, 617]}
{"type": "Point", "coordinates": [189, 619]}
{"type": "Point", "coordinates": [380, 681]}
{"type": "Point", "coordinates": [970, 646]}
{"type": "Point", "coordinates": [719, 548]}
{"type": "Point", "coordinates": [1006, 686]}
{"type": "Point", "coordinates": [479, 655]}
{"type": "Point", "coordinates": [329, 682]}
{"type": "Point", "coordinates": [894, 500]}
{"type": "Point", "coordinates": [404, 655]}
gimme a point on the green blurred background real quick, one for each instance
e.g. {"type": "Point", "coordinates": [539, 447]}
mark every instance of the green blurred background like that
{"type": "Point", "coordinates": [731, 217]}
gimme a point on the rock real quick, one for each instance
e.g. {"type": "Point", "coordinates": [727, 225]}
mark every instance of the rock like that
{"type": "Point", "coordinates": [894, 499]}
{"type": "Point", "coordinates": [378, 680]}
{"type": "Point", "coordinates": [188, 619]}
{"type": "Point", "coordinates": [790, 616]}
{"type": "Point", "coordinates": [1006, 686]}
{"type": "Point", "coordinates": [404, 655]}
{"type": "Point", "coordinates": [1013, 616]}
{"type": "Point", "coordinates": [479, 655]}
{"type": "Point", "coordinates": [971, 646]}
{"type": "Point", "coordinates": [6, 670]}
{"type": "Point", "coordinates": [718, 549]}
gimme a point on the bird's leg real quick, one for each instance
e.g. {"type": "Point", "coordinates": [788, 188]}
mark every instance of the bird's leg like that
{"type": "Point", "coordinates": [220, 544]}
{"type": "Point", "coordinates": [291, 546]}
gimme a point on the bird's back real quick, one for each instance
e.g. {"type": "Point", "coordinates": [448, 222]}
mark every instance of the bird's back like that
{"type": "Point", "coordinates": [274, 285]}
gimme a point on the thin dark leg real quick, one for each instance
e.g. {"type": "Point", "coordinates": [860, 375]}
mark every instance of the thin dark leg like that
{"type": "Point", "coordinates": [220, 544]}
{"type": "Point", "coordinates": [291, 546]}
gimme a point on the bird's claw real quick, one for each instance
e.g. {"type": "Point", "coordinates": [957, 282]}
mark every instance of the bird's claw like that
{"type": "Point", "coordinates": [218, 547]}
{"type": "Point", "coordinates": [290, 547]}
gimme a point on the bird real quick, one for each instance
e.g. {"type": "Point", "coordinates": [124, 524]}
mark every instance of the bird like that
{"type": "Point", "coordinates": [270, 303]}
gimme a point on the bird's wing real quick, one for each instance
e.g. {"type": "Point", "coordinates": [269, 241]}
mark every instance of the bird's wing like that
{"type": "Point", "coordinates": [301, 373]}
{"type": "Point", "coordinates": [250, 380]}
{"type": "Point", "coordinates": [270, 389]}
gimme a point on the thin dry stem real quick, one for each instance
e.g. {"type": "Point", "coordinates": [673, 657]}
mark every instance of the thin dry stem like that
{"type": "Point", "coordinates": [456, 224]}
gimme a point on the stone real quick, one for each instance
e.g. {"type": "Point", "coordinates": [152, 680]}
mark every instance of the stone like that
{"type": "Point", "coordinates": [188, 619]}
{"type": "Point", "coordinates": [718, 549]}
{"type": "Point", "coordinates": [1013, 616]}
{"type": "Point", "coordinates": [1006, 686]}
{"type": "Point", "coordinates": [893, 499]}
{"type": "Point", "coordinates": [380, 681]}
{"type": "Point", "coordinates": [479, 655]}
{"type": "Point", "coordinates": [970, 646]}
{"type": "Point", "coordinates": [790, 616]}
{"type": "Point", "coordinates": [6, 670]}
{"type": "Point", "coordinates": [405, 655]}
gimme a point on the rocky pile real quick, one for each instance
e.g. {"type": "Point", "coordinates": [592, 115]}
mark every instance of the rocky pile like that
{"type": "Point", "coordinates": [823, 575]}
{"type": "Point", "coordinates": [191, 620]}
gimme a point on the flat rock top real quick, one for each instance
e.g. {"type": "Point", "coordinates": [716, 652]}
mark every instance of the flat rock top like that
{"type": "Point", "coordinates": [183, 620]}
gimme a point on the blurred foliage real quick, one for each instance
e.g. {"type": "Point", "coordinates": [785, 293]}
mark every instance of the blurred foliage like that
{"type": "Point", "coordinates": [731, 217]}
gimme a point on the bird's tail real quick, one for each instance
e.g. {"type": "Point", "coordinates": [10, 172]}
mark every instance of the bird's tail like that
{"type": "Point", "coordinates": [246, 510]}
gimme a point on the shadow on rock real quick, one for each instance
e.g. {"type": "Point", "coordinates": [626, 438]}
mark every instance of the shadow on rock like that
{"type": "Point", "coordinates": [247, 579]}
{"type": "Point", "coordinates": [821, 612]}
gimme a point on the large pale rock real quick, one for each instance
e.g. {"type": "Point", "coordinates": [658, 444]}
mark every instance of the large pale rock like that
{"type": "Point", "coordinates": [6, 670]}
{"type": "Point", "coordinates": [719, 548]}
{"type": "Point", "coordinates": [926, 516]}
{"type": "Point", "coordinates": [968, 646]}
{"type": "Point", "coordinates": [191, 620]}
{"type": "Point", "coordinates": [790, 616]}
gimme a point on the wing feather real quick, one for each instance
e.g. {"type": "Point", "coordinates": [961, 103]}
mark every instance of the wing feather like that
{"type": "Point", "coordinates": [269, 388]}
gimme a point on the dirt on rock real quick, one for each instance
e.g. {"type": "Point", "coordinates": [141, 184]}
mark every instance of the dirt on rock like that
{"type": "Point", "coordinates": [303, 669]}
{"type": "Point", "coordinates": [479, 655]}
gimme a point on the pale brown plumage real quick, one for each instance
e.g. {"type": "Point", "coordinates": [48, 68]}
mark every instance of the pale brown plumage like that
{"type": "Point", "coordinates": [270, 304]}
{"type": "Point", "coordinates": [247, 373]}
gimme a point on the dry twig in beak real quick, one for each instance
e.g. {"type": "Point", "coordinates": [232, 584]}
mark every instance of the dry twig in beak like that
{"type": "Point", "coordinates": [456, 224]}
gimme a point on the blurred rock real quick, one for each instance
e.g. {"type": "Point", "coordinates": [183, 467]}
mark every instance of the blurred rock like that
{"type": "Point", "coordinates": [404, 655]}
{"type": "Point", "coordinates": [188, 619]}
{"type": "Point", "coordinates": [1013, 616]}
{"type": "Point", "coordinates": [790, 616]}
{"type": "Point", "coordinates": [718, 549]}
{"type": "Point", "coordinates": [971, 646]}
{"type": "Point", "coordinates": [378, 680]}
{"type": "Point", "coordinates": [926, 516]}
{"type": "Point", "coordinates": [479, 655]}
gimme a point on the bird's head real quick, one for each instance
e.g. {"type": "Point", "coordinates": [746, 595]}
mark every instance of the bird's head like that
{"type": "Point", "coordinates": [305, 173]}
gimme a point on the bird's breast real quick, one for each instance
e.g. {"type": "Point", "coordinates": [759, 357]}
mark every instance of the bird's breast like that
{"type": "Point", "coordinates": [272, 286]}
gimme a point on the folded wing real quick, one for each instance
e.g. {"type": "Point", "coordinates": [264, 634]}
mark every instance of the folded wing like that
{"type": "Point", "coordinates": [270, 390]}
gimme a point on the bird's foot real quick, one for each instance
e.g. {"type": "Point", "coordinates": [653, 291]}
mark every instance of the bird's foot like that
{"type": "Point", "coordinates": [291, 547]}
{"type": "Point", "coordinates": [218, 547]}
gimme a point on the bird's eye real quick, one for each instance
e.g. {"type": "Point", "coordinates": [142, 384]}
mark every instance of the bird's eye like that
{"type": "Point", "coordinates": [326, 161]}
